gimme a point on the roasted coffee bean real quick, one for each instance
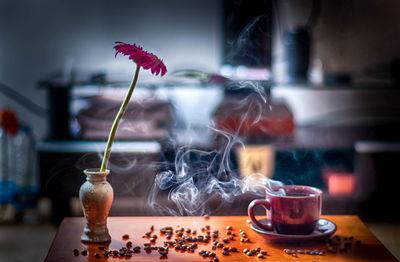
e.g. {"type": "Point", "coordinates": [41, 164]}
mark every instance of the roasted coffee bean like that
{"type": "Point", "coordinates": [231, 238]}
{"type": "Point", "coordinates": [101, 248]}
{"type": "Point", "coordinates": [229, 228]}
{"type": "Point", "coordinates": [242, 240]}
{"type": "Point", "coordinates": [148, 234]}
{"type": "Point", "coordinates": [321, 253]}
{"type": "Point", "coordinates": [202, 252]}
{"type": "Point", "coordinates": [260, 256]}
{"type": "Point", "coordinates": [128, 255]}
{"type": "Point", "coordinates": [229, 233]}
{"type": "Point", "coordinates": [152, 240]}
{"type": "Point", "coordinates": [294, 255]}
{"type": "Point", "coordinates": [225, 240]}
{"type": "Point", "coordinates": [245, 250]}
{"type": "Point", "coordinates": [212, 254]}
{"type": "Point", "coordinates": [216, 259]}
{"type": "Point", "coordinates": [287, 251]}
{"type": "Point", "coordinates": [203, 229]}
{"type": "Point", "coordinates": [179, 234]}
{"type": "Point", "coordinates": [76, 252]}
{"type": "Point", "coordinates": [106, 255]}
{"type": "Point", "coordinates": [225, 248]}
{"type": "Point", "coordinates": [249, 254]}
{"type": "Point", "coordinates": [84, 252]}
{"type": "Point", "coordinates": [205, 254]}
{"type": "Point", "coordinates": [208, 227]}
{"type": "Point", "coordinates": [220, 245]}
{"type": "Point", "coordinates": [125, 236]}
{"type": "Point", "coordinates": [253, 252]}
{"type": "Point", "coordinates": [233, 249]}
{"type": "Point", "coordinates": [163, 253]}
{"type": "Point", "coordinates": [258, 249]}
{"type": "Point", "coordinates": [263, 252]}
{"type": "Point", "coordinates": [225, 253]}
{"type": "Point", "coordinates": [214, 248]}
{"type": "Point", "coordinates": [300, 251]}
{"type": "Point", "coordinates": [152, 228]}
{"type": "Point", "coordinates": [208, 233]}
{"type": "Point", "coordinates": [188, 231]}
{"type": "Point", "coordinates": [96, 255]}
{"type": "Point", "coordinates": [146, 244]}
{"type": "Point", "coordinates": [206, 216]}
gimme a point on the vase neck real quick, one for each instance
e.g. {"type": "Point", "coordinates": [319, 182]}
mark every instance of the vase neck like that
{"type": "Point", "coordinates": [94, 175]}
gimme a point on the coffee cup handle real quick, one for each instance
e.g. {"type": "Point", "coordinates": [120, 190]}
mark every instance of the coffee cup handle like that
{"type": "Point", "coordinates": [259, 202]}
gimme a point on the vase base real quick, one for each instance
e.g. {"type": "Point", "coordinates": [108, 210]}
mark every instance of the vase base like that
{"type": "Point", "coordinates": [95, 235]}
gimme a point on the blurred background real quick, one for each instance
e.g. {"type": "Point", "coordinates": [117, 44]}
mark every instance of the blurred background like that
{"type": "Point", "coordinates": [303, 92]}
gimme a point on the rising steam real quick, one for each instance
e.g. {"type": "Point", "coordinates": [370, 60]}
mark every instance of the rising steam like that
{"type": "Point", "coordinates": [198, 182]}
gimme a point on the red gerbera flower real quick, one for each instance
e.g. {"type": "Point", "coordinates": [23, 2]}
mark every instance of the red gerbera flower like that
{"type": "Point", "coordinates": [141, 58]}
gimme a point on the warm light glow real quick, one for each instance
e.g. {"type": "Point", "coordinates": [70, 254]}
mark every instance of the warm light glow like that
{"type": "Point", "coordinates": [341, 184]}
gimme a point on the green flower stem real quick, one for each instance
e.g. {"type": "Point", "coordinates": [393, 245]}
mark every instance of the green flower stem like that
{"type": "Point", "coordinates": [118, 118]}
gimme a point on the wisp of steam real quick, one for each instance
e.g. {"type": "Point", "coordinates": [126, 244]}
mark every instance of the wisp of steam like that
{"type": "Point", "coordinates": [200, 182]}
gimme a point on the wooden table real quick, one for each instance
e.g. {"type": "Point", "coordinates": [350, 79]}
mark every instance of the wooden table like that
{"type": "Point", "coordinates": [68, 239]}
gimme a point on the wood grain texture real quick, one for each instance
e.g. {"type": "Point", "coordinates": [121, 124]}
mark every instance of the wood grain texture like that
{"type": "Point", "coordinates": [68, 238]}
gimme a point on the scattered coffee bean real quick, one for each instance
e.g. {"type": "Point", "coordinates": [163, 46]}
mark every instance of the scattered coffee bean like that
{"type": "Point", "coordinates": [225, 248]}
{"type": "Point", "coordinates": [208, 227]}
{"type": "Point", "coordinates": [129, 244]}
{"type": "Point", "coordinates": [206, 216]}
{"type": "Point", "coordinates": [216, 259]}
{"type": "Point", "coordinates": [233, 249]}
{"type": "Point", "coordinates": [229, 228]}
{"type": "Point", "coordinates": [225, 253]}
{"type": "Point", "coordinates": [249, 253]}
{"type": "Point", "coordinates": [245, 250]}
{"type": "Point", "coordinates": [263, 252]}
{"type": "Point", "coordinates": [125, 236]}
{"type": "Point", "coordinates": [260, 256]}
{"type": "Point", "coordinates": [96, 255]}
{"type": "Point", "coordinates": [84, 252]}
{"type": "Point", "coordinates": [76, 252]}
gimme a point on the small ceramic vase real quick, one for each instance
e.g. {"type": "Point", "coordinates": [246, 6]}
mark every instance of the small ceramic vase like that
{"type": "Point", "coordinates": [96, 196]}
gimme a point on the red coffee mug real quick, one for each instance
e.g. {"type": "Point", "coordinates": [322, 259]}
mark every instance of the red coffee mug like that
{"type": "Point", "coordinates": [296, 212]}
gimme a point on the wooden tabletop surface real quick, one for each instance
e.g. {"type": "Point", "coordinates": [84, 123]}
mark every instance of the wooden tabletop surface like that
{"type": "Point", "coordinates": [69, 232]}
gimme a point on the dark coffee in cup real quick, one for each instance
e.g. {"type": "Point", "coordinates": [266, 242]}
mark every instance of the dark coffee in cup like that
{"type": "Point", "coordinates": [292, 210]}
